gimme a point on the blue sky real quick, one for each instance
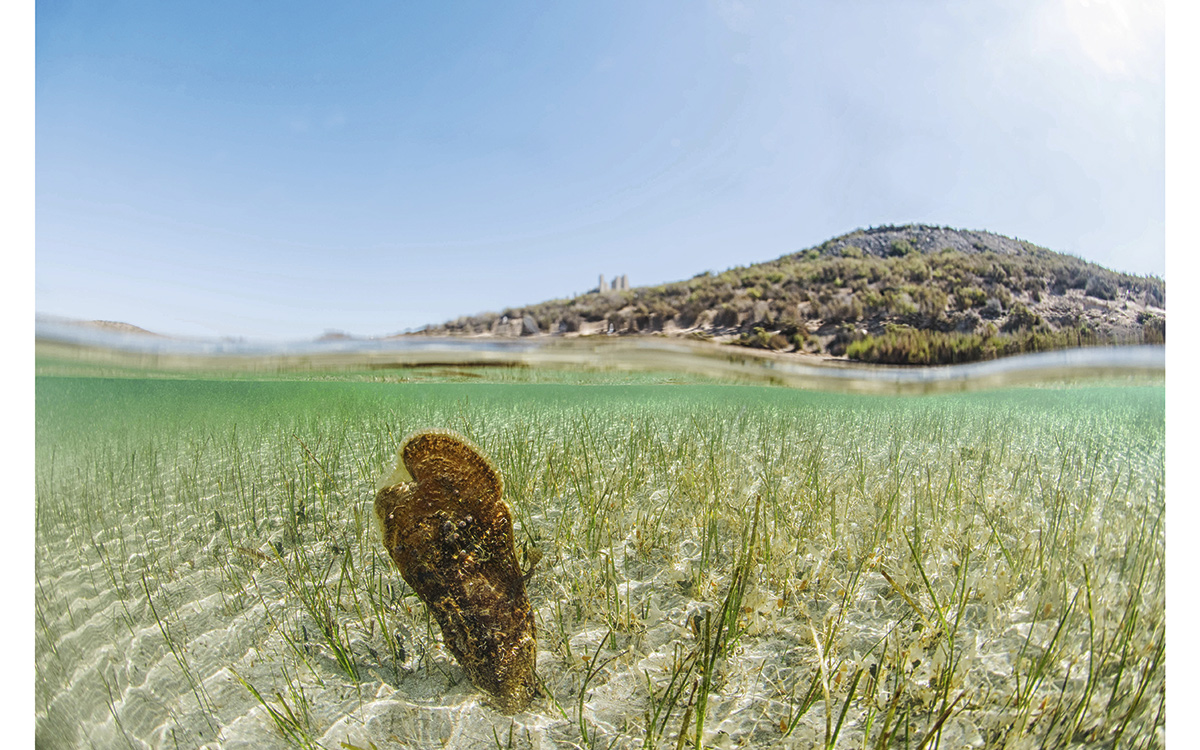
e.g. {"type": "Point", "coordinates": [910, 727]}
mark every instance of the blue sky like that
{"type": "Point", "coordinates": [276, 170]}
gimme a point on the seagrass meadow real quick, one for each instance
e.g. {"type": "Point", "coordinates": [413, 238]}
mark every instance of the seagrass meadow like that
{"type": "Point", "coordinates": [712, 565]}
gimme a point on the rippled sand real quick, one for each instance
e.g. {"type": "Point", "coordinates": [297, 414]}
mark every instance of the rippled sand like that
{"type": "Point", "coordinates": [179, 573]}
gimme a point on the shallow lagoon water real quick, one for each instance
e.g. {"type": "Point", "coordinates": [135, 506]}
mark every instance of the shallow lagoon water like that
{"type": "Point", "coordinates": [741, 565]}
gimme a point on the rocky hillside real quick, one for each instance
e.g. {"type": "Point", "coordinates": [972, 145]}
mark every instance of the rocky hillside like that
{"type": "Point", "coordinates": [901, 295]}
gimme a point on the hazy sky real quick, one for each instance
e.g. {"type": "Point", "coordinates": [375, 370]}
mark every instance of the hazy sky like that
{"type": "Point", "coordinates": [275, 170]}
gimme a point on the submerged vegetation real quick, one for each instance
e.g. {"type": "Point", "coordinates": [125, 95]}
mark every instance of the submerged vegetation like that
{"type": "Point", "coordinates": [717, 566]}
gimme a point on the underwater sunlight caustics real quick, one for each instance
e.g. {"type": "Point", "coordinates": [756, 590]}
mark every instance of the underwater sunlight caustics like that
{"type": "Point", "coordinates": [717, 565]}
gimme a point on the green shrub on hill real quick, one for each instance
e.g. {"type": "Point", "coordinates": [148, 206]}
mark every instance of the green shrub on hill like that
{"type": "Point", "coordinates": [1154, 328]}
{"type": "Point", "coordinates": [903, 345]}
{"type": "Point", "coordinates": [921, 305]}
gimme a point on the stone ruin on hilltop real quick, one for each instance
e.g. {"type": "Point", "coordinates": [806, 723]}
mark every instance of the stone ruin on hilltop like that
{"type": "Point", "coordinates": [619, 284]}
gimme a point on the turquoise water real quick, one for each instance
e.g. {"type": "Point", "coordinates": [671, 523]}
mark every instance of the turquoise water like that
{"type": "Point", "coordinates": [983, 567]}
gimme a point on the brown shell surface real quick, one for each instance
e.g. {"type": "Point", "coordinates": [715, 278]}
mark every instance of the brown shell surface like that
{"type": "Point", "coordinates": [450, 533]}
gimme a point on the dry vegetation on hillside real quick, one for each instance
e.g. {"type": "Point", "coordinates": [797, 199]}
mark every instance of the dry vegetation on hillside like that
{"type": "Point", "coordinates": [900, 295]}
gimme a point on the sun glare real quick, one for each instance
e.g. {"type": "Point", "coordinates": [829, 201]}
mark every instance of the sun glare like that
{"type": "Point", "coordinates": [1122, 37]}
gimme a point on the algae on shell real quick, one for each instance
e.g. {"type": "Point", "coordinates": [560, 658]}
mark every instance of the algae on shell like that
{"type": "Point", "coordinates": [447, 528]}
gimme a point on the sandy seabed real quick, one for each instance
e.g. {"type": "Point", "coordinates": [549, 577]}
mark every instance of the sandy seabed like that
{"type": "Point", "coordinates": [968, 580]}
{"type": "Point", "coordinates": [120, 683]}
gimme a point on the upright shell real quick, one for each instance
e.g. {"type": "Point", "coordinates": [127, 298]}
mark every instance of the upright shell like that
{"type": "Point", "coordinates": [447, 528]}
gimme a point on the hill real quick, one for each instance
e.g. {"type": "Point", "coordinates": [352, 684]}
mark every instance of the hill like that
{"type": "Point", "coordinates": [116, 327]}
{"type": "Point", "coordinates": [912, 294]}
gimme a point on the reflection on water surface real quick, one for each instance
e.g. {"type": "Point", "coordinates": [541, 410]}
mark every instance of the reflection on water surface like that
{"type": "Point", "coordinates": [710, 362]}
